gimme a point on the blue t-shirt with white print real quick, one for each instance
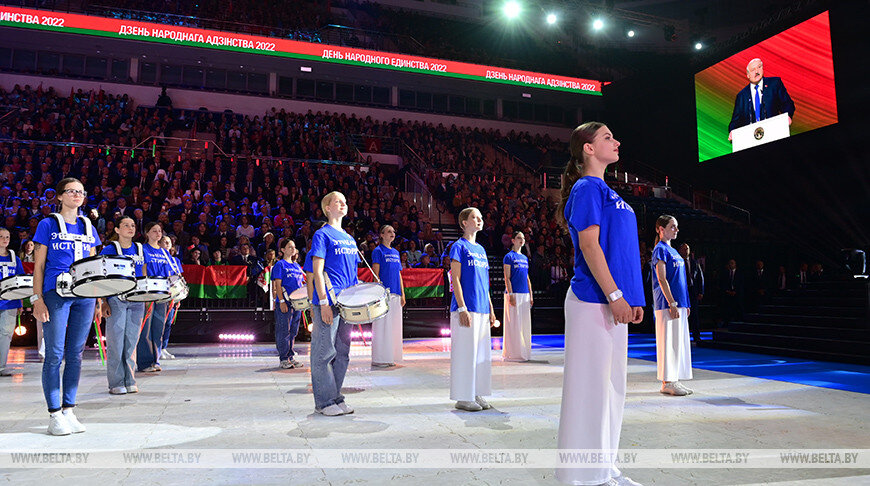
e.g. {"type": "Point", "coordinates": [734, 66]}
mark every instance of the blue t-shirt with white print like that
{"type": "Point", "coordinates": [592, 202]}
{"type": "Point", "coordinates": [339, 252]}
{"type": "Point", "coordinates": [473, 277]}
{"type": "Point", "coordinates": [60, 254]}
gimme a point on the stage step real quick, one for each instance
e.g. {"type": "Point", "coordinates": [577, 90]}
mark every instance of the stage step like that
{"type": "Point", "coordinates": [819, 300]}
{"type": "Point", "coordinates": [826, 333]}
{"type": "Point", "coordinates": [808, 310]}
{"type": "Point", "coordinates": [843, 357]}
{"type": "Point", "coordinates": [812, 321]}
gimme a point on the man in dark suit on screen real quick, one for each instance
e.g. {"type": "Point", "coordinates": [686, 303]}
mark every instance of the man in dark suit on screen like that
{"type": "Point", "coordinates": [764, 97]}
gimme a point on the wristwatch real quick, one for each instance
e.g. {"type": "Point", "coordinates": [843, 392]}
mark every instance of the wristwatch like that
{"type": "Point", "coordinates": [614, 296]}
{"type": "Point", "coordinates": [673, 304]}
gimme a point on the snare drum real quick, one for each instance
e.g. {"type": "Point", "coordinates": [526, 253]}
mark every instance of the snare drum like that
{"type": "Point", "coordinates": [16, 287]}
{"type": "Point", "coordinates": [148, 289]}
{"type": "Point", "coordinates": [102, 276]}
{"type": "Point", "coordinates": [363, 303]}
{"type": "Point", "coordinates": [299, 299]}
{"type": "Point", "coordinates": [178, 288]}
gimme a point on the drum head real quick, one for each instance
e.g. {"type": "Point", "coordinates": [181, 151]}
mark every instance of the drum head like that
{"type": "Point", "coordinates": [16, 294]}
{"type": "Point", "coordinates": [16, 287]}
{"type": "Point", "coordinates": [152, 296]}
{"type": "Point", "coordinates": [361, 294]}
{"type": "Point", "coordinates": [99, 286]}
{"type": "Point", "coordinates": [300, 293]}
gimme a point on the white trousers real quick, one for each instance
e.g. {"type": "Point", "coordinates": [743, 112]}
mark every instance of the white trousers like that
{"type": "Point", "coordinates": [593, 392]}
{"type": "Point", "coordinates": [387, 334]}
{"type": "Point", "coordinates": [470, 358]}
{"type": "Point", "coordinates": [517, 342]}
{"type": "Point", "coordinates": [673, 351]}
{"type": "Point", "coordinates": [8, 320]}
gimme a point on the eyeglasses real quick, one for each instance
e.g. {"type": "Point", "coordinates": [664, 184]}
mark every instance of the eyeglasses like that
{"type": "Point", "coordinates": [76, 192]}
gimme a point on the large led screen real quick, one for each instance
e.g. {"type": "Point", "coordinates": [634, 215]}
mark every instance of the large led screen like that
{"type": "Point", "coordinates": [791, 74]}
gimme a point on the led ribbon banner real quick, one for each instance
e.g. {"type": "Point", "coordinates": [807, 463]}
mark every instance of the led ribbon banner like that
{"type": "Point", "coordinates": [213, 39]}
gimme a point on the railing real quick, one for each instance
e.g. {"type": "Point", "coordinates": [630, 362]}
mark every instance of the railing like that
{"type": "Point", "coordinates": [686, 191]}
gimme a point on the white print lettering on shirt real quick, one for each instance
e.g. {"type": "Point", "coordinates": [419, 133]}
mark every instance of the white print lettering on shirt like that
{"type": "Point", "coordinates": [478, 260]}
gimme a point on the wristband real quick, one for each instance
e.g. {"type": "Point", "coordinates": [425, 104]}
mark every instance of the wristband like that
{"type": "Point", "coordinates": [33, 298]}
{"type": "Point", "coordinates": [282, 301]}
{"type": "Point", "coordinates": [673, 304]}
{"type": "Point", "coordinates": [614, 296]}
{"type": "Point", "coordinates": [462, 309]}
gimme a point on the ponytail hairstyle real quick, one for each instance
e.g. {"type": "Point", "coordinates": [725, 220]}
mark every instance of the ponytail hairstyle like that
{"type": "Point", "coordinates": [575, 168]}
{"type": "Point", "coordinates": [663, 221]}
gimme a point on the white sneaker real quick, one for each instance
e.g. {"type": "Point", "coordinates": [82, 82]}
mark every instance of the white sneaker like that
{"type": "Point", "coordinates": [483, 403]}
{"type": "Point", "coordinates": [623, 480]}
{"type": "Point", "coordinates": [686, 389]}
{"type": "Point", "coordinates": [347, 409]}
{"type": "Point", "coordinates": [165, 354]}
{"type": "Point", "coordinates": [132, 389]}
{"type": "Point", "coordinates": [75, 426]}
{"type": "Point", "coordinates": [671, 389]}
{"type": "Point", "coordinates": [468, 406]}
{"type": "Point", "coordinates": [331, 411]}
{"type": "Point", "coordinates": [58, 425]}
{"type": "Point", "coordinates": [118, 390]}
{"type": "Point", "coordinates": [5, 372]}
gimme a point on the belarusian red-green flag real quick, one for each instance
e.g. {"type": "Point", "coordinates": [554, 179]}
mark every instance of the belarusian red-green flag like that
{"type": "Point", "coordinates": [217, 282]}
{"type": "Point", "coordinates": [419, 282]}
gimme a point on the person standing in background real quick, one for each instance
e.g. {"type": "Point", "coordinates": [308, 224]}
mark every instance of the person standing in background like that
{"type": "Point", "coordinates": [695, 282]}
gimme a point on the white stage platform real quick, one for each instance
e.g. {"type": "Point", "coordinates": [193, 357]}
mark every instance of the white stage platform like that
{"type": "Point", "coordinates": [233, 398]}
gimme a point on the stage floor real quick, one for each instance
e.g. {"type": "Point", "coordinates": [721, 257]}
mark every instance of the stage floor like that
{"type": "Point", "coordinates": [233, 397]}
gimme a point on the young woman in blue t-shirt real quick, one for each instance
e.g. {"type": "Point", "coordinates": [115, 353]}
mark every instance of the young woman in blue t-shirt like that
{"type": "Point", "coordinates": [158, 263]}
{"type": "Point", "coordinates": [387, 330]}
{"type": "Point", "coordinates": [517, 342]}
{"type": "Point", "coordinates": [123, 318]}
{"type": "Point", "coordinates": [606, 293]}
{"type": "Point", "coordinates": [66, 319]}
{"type": "Point", "coordinates": [471, 316]}
{"type": "Point", "coordinates": [287, 277]}
{"type": "Point", "coordinates": [671, 296]}
{"type": "Point", "coordinates": [334, 261]}
{"type": "Point", "coordinates": [9, 309]}
{"type": "Point", "coordinates": [175, 268]}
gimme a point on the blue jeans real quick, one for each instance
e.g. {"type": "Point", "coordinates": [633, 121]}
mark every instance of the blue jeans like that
{"type": "Point", "coordinates": [69, 320]}
{"type": "Point", "coordinates": [151, 338]}
{"type": "Point", "coordinates": [286, 327]}
{"type": "Point", "coordinates": [330, 349]}
{"type": "Point", "coordinates": [167, 328]}
{"type": "Point", "coordinates": [122, 334]}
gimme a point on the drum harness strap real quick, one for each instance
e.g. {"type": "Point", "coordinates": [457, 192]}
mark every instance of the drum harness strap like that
{"type": "Point", "coordinates": [64, 279]}
{"type": "Point", "coordinates": [138, 259]}
{"type": "Point", "coordinates": [9, 267]}
{"type": "Point", "coordinates": [78, 240]}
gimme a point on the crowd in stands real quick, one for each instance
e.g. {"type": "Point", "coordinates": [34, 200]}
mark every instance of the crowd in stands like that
{"type": "Point", "coordinates": [215, 208]}
{"type": "Point", "coordinates": [232, 209]}
{"type": "Point", "coordinates": [273, 18]}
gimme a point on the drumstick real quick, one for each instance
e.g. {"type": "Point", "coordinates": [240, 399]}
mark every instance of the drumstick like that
{"type": "Point", "coordinates": [147, 316]}
{"type": "Point", "coordinates": [18, 326]}
{"type": "Point", "coordinates": [99, 341]}
{"type": "Point", "coordinates": [367, 264]}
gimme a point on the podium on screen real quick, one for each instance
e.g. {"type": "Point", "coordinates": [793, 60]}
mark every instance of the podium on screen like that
{"type": "Point", "coordinates": [758, 133]}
